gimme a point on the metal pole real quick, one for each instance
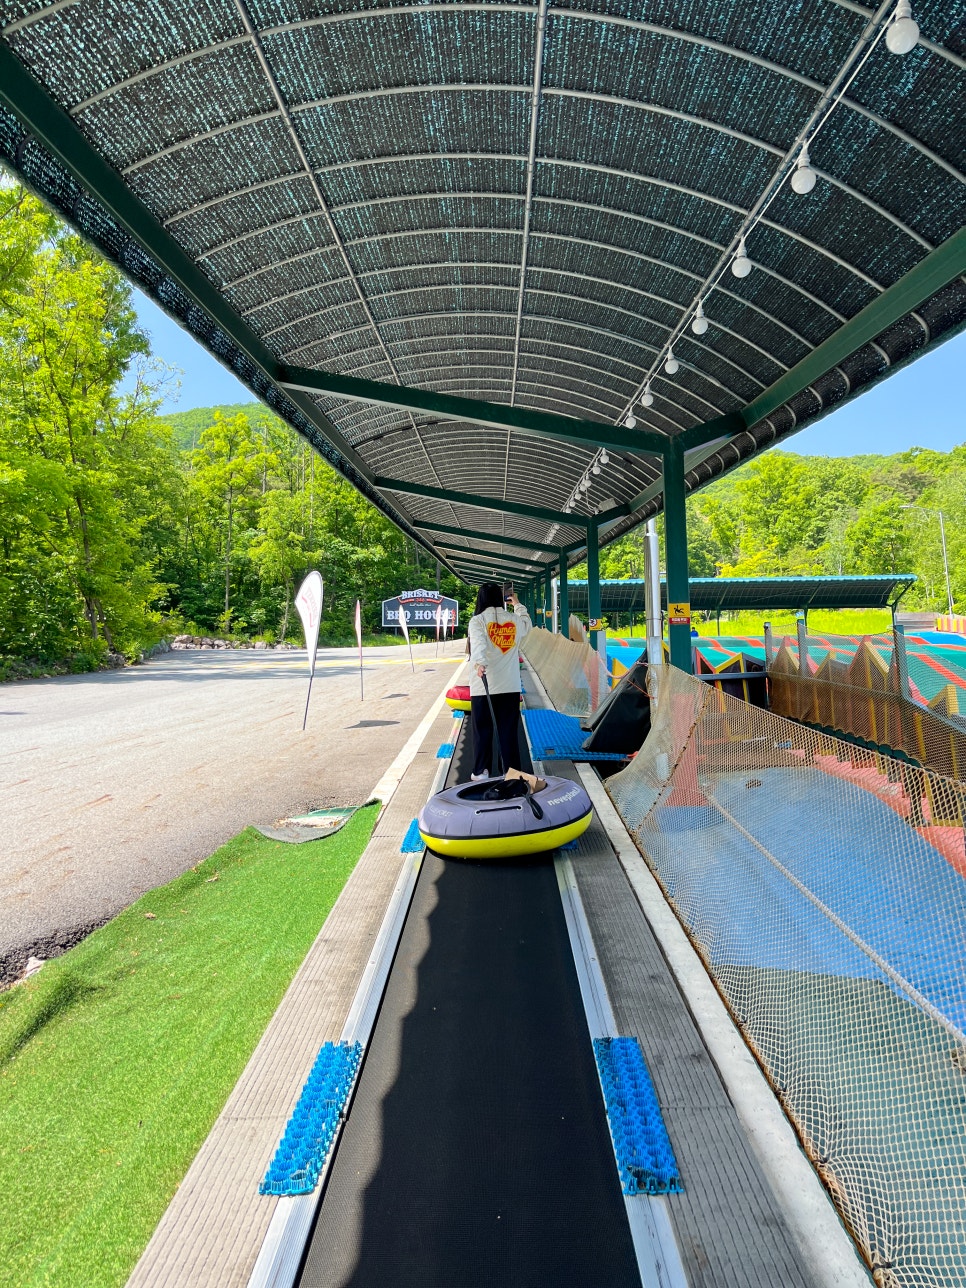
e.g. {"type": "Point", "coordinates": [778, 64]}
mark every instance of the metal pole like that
{"type": "Point", "coordinates": [652, 596]}
{"type": "Point", "coordinates": [564, 598]}
{"type": "Point", "coordinates": [902, 660]}
{"type": "Point", "coordinates": [676, 553]}
{"type": "Point", "coordinates": [802, 647]}
{"type": "Point", "coordinates": [548, 606]}
{"type": "Point", "coordinates": [554, 624]}
{"type": "Point", "coordinates": [593, 582]}
{"type": "Point", "coordinates": [942, 535]}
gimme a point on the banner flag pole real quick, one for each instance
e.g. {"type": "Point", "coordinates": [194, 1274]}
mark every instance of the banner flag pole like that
{"type": "Point", "coordinates": [308, 602]}
{"type": "Point", "coordinates": [362, 689]}
{"type": "Point", "coordinates": [404, 627]}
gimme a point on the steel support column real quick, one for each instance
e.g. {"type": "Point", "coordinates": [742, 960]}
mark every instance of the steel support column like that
{"type": "Point", "coordinates": [563, 599]}
{"type": "Point", "coordinates": [676, 555]}
{"type": "Point", "coordinates": [593, 578]}
{"type": "Point", "coordinates": [548, 611]}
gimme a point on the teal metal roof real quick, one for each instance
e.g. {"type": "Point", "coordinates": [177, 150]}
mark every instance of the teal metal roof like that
{"type": "Point", "coordinates": [451, 243]}
{"type": "Point", "coordinates": [728, 594]}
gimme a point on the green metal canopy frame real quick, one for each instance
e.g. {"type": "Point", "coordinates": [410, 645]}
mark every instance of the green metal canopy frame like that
{"type": "Point", "coordinates": [453, 244]}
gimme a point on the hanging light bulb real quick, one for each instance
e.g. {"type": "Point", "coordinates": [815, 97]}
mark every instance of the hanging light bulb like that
{"type": "Point", "coordinates": [631, 421]}
{"type": "Point", "coordinates": [902, 34]}
{"type": "Point", "coordinates": [567, 508]}
{"type": "Point", "coordinates": [741, 264]}
{"type": "Point", "coordinates": [803, 176]}
{"type": "Point", "coordinates": [672, 365]}
{"type": "Point", "coordinates": [584, 484]}
{"type": "Point", "coordinates": [647, 399]}
{"type": "Point", "coordinates": [699, 323]}
{"type": "Point", "coordinates": [604, 458]}
{"type": "Point", "coordinates": [595, 469]}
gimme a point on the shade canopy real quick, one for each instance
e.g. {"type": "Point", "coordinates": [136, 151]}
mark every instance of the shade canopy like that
{"type": "Point", "coordinates": [731, 594]}
{"type": "Point", "coordinates": [453, 243]}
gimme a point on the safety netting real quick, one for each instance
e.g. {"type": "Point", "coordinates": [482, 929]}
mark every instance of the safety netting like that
{"type": "Point", "coordinates": [832, 916]}
{"type": "Point", "coordinates": [900, 694]}
{"type": "Point", "coordinates": [573, 675]}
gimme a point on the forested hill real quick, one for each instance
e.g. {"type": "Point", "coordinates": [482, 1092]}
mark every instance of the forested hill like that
{"type": "Point", "coordinates": [784, 514]}
{"type": "Point", "coordinates": [117, 524]}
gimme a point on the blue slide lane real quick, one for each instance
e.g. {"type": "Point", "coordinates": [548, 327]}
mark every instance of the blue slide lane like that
{"type": "Point", "coordinates": [859, 857]}
{"type": "Point", "coordinates": [555, 736]}
{"type": "Point", "coordinates": [642, 1146]}
{"type": "Point", "coordinates": [308, 1137]}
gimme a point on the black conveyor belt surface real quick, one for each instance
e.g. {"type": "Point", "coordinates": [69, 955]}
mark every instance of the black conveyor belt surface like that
{"type": "Point", "coordinates": [477, 1150]}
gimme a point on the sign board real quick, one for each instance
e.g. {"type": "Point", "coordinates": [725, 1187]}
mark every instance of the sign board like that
{"type": "Point", "coordinates": [679, 614]}
{"type": "Point", "coordinates": [595, 623]}
{"type": "Point", "coordinates": [420, 608]}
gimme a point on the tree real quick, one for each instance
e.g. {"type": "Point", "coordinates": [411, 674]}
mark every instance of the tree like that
{"type": "Point", "coordinates": [82, 466]}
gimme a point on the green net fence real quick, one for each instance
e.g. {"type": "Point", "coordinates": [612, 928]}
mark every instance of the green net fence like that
{"type": "Point", "coordinates": [574, 676]}
{"type": "Point", "coordinates": [830, 908]}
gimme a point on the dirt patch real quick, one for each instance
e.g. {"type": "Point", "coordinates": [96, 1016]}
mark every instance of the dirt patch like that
{"type": "Point", "coordinates": [14, 963]}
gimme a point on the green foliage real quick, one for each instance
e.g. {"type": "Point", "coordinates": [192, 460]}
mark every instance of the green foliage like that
{"type": "Point", "coordinates": [115, 521]}
{"type": "Point", "coordinates": [81, 467]}
{"type": "Point", "coordinates": [116, 1058]}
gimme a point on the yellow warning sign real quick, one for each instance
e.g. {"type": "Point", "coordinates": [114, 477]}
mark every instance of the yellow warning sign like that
{"type": "Point", "coordinates": [679, 614]}
{"type": "Point", "coordinates": [595, 623]}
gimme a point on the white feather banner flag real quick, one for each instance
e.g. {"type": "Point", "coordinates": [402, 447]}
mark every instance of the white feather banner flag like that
{"type": "Point", "coordinates": [362, 690]}
{"type": "Point", "coordinates": [308, 602]}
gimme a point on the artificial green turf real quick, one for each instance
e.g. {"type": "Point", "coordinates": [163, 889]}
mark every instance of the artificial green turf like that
{"type": "Point", "coordinates": [116, 1058]}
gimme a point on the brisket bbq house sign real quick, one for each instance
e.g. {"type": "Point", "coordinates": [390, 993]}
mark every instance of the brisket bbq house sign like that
{"type": "Point", "coordinates": [420, 608]}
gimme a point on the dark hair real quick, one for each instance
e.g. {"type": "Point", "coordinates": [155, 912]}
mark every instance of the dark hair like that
{"type": "Point", "coordinates": [490, 595]}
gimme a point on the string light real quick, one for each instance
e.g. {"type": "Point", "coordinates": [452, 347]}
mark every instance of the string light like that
{"type": "Point", "coordinates": [902, 34]}
{"type": "Point", "coordinates": [700, 323]}
{"type": "Point", "coordinates": [741, 264]}
{"type": "Point", "coordinates": [647, 399]}
{"type": "Point", "coordinates": [604, 458]}
{"type": "Point", "coordinates": [631, 421]}
{"type": "Point", "coordinates": [672, 365]}
{"type": "Point", "coordinates": [595, 469]}
{"type": "Point", "coordinates": [803, 176]}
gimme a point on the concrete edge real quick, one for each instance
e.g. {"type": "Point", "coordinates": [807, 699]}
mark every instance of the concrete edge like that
{"type": "Point", "coordinates": [826, 1246]}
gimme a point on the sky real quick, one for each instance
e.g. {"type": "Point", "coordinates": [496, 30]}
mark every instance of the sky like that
{"type": "Point", "coordinates": [923, 405]}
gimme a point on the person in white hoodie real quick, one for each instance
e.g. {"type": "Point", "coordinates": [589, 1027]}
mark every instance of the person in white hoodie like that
{"type": "Point", "coordinates": [495, 634]}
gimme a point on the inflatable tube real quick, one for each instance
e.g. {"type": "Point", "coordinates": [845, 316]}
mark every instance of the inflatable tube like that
{"type": "Point", "coordinates": [458, 698]}
{"type": "Point", "coordinates": [500, 819]}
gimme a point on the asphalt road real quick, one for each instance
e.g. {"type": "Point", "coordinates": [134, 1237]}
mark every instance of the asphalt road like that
{"type": "Point", "coordinates": [113, 783]}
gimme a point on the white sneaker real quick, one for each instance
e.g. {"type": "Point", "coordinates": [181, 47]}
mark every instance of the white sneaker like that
{"type": "Point", "coordinates": [478, 778]}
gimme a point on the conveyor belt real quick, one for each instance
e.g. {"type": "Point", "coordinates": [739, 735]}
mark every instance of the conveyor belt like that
{"type": "Point", "coordinates": [477, 1151]}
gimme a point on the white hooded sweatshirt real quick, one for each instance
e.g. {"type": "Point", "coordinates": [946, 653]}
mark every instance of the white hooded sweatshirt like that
{"type": "Point", "coordinates": [495, 638]}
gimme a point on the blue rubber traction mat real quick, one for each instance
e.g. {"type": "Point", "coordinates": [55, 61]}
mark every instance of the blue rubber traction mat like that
{"type": "Point", "coordinates": [445, 750]}
{"type": "Point", "coordinates": [412, 841]}
{"type": "Point", "coordinates": [311, 1130]}
{"type": "Point", "coordinates": [645, 1159]}
{"type": "Point", "coordinates": [554, 736]}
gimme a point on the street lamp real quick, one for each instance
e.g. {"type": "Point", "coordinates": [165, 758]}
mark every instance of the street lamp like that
{"type": "Point", "coordinates": [942, 536]}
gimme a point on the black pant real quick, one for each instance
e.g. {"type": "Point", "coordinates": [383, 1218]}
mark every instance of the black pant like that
{"type": "Point", "coordinates": [506, 708]}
